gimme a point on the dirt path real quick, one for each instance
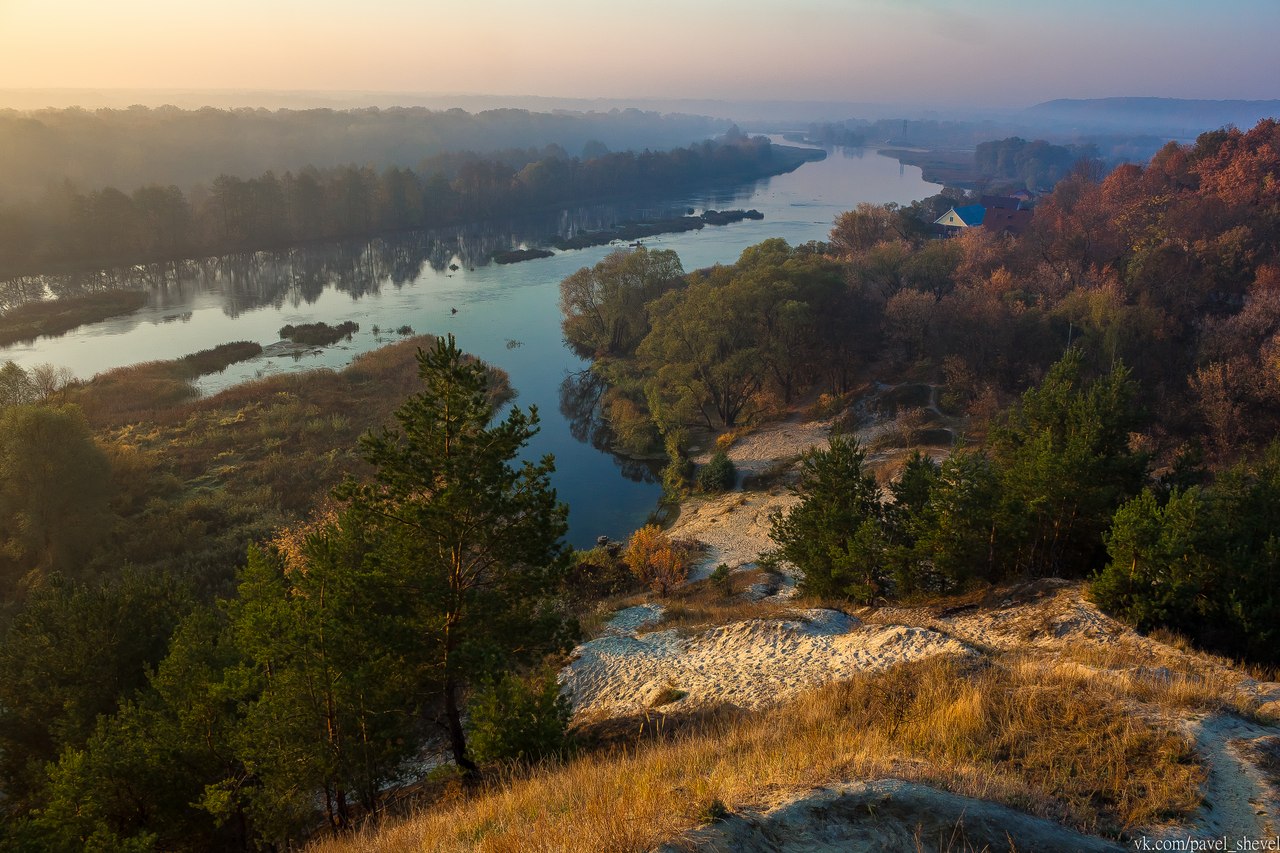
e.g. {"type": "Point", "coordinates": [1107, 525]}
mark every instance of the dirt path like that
{"type": "Point", "coordinates": [1239, 801]}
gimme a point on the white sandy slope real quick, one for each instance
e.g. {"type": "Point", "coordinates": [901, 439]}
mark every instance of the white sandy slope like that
{"type": "Point", "coordinates": [886, 815]}
{"type": "Point", "coordinates": [734, 527]}
{"type": "Point", "coordinates": [760, 661]}
{"type": "Point", "coordinates": [750, 663]}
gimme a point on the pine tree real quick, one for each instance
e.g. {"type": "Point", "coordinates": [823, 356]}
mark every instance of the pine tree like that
{"type": "Point", "coordinates": [474, 537]}
{"type": "Point", "coordinates": [835, 534]}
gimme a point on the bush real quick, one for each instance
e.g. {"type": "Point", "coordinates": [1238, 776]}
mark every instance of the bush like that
{"type": "Point", "coordinates": [597, 574]}
{"type": "Point", "coordinates": [519, 718]}
{"type": "Point", "coordinates": [656, 559]}
{"type": "Point", "coordinates": [319, 334]}
{"type": "Point", "coordinates": [676, 474]}
{"type": "Point", "coordinates": [718, 475]}
{"type": "Point", "coordinates": [722, 578]}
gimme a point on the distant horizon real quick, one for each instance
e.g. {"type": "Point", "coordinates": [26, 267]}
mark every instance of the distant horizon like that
{"type": "Point", "coordinates": [745, 110]}
{"type": "Point", "coordinates": [118, 93]}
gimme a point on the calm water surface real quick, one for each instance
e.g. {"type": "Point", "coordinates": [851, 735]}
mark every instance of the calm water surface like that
{"type": "Point", "coordinates": [507, 315]}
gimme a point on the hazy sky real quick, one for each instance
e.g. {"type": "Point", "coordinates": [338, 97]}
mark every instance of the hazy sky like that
{"type": "Point", "coordinates": [987, 52]}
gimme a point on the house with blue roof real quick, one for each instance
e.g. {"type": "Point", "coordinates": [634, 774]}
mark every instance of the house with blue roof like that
{"type": "Point", "coordinates": [1000, 214]}
{"type": "Point", "coordinates": [969, 216]}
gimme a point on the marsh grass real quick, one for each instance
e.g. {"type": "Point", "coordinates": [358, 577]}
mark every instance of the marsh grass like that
{"type": "Point", "coordinates": [212, 474]}
{"type": "Point", "coordinates": [56, 316]}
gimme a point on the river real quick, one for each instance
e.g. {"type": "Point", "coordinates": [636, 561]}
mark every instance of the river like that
{"type": "Point", "coordinates": [507, 315]}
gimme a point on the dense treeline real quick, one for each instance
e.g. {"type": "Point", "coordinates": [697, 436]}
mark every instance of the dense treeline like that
{"type": "Point", "coordinates": [1115, 147]}
{"type": "Point", "coordinates": [1033, 500]}
{"type": "Point", "coordinates": [1158, 282]}
{"type": "Point", "coordinates": [71, 230]}
{"type": "Point", "coordinates": [1056, 490]}
{"type": "Point", "coordinates": [835, 134]}
{"type": "Point", "coordinates": [139, 146]}
{"type": "Point", "coordinates": [1034, 165]}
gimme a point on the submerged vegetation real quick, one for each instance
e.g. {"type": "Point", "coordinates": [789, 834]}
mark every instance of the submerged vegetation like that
{"type": "Point", "coordinates": [319, 334]}
{"type": "Point", "coordinates": [31, 320]}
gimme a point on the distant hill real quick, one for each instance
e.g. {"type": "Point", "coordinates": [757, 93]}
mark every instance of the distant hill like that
{"type": "Point", "coordinates": [1172, 116]}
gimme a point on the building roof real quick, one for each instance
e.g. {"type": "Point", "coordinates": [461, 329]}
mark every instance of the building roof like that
{"type": "Point", "coordinates": [1000, 202]}
{"type": "Point", "coordinates": [1005, 221]}
{"type": "Point", "coordinates": [970, 215]}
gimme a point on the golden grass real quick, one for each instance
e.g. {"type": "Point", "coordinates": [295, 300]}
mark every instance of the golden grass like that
{"type": "Point", "coordinates": [702, 603]}
{"type": "Point", "coordinates": [1156, 672]}
{"type": "Point", "coordinates": [1014, 732]}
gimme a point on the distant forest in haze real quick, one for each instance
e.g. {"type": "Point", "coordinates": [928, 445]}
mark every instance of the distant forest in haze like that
{"type": "Point", "coordinates": [167, 145]}
{"type": "Point", "coordinates": [68, 230]}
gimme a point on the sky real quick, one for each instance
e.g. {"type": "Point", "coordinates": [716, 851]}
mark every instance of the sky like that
{"type": "Point", "coordinates": [992, 53]}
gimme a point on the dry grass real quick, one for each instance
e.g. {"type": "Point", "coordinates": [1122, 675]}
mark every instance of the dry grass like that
{"type": "Point", "coordinates": [1160, 674]}
{"type": "Point", "coordinates": [207, 476]}
{"type": "Point", "coordinates": [702, 604]}
{"type": "Point", "coordinates": [1046, 742]}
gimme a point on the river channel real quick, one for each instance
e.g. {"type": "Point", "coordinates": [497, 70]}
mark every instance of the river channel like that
{"type": "Point", "coordinates": [506, 314]}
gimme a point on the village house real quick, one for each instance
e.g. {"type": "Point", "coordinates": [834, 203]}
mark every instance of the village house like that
{"type": "Point", "coordinates": [999, 214]}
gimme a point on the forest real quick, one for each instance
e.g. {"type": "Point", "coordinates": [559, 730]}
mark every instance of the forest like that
{"type": "Point", "coordinates": [167, 145]}
{"type": "Point", "coordinates": [68, 230]}
{"type": "Point", "coordinates": [1118, 368]}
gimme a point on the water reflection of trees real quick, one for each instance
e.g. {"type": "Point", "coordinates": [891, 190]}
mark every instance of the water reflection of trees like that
{"type": "Point", "coordinates": [359, 268]}
{"type": "Point", "coordinates": [580, 396]}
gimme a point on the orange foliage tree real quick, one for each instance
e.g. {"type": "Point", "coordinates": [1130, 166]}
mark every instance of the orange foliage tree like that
{"type": "Point", "coordinates": [656, 559]}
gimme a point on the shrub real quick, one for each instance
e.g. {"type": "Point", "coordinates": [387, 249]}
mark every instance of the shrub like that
{"type": "Point", "coordinates": [676, 474]}
{"type": "Point", "coordinates": [656, 559]}
{"type": "Point", "coordinates": [718, 475]}
{"type": "Point", "coordinates": [597, 574]}
{"type": "Point", "coordinates": [722, 578]}
{"type": "Point", "coordinates": [518, 718]}
{"type": "Point", "coordinates": [319, 334]}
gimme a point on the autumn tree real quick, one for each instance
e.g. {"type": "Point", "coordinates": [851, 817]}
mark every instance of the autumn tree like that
{"type": "Point", "coordinates": [656, 559]}
{"type": "Point", "coordinates": [703, 358]}
{"type": "Point", "coordinates": [859, 230]}
{"type": "Point", "coordinates": [16, 386]}
{"type": "Point", "coordinates": [774, 321]}
{"type": "Point", "coordinates": [604, 306]}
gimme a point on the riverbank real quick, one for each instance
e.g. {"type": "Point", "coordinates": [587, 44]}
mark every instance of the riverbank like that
{"type": "Point", "coordinates": [949, 167]}
{"type": "Point", "coordinates": [27, 322]}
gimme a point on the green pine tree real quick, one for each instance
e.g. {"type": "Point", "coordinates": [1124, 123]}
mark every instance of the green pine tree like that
{"type": "Point", "coordinates": [474, 537]}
